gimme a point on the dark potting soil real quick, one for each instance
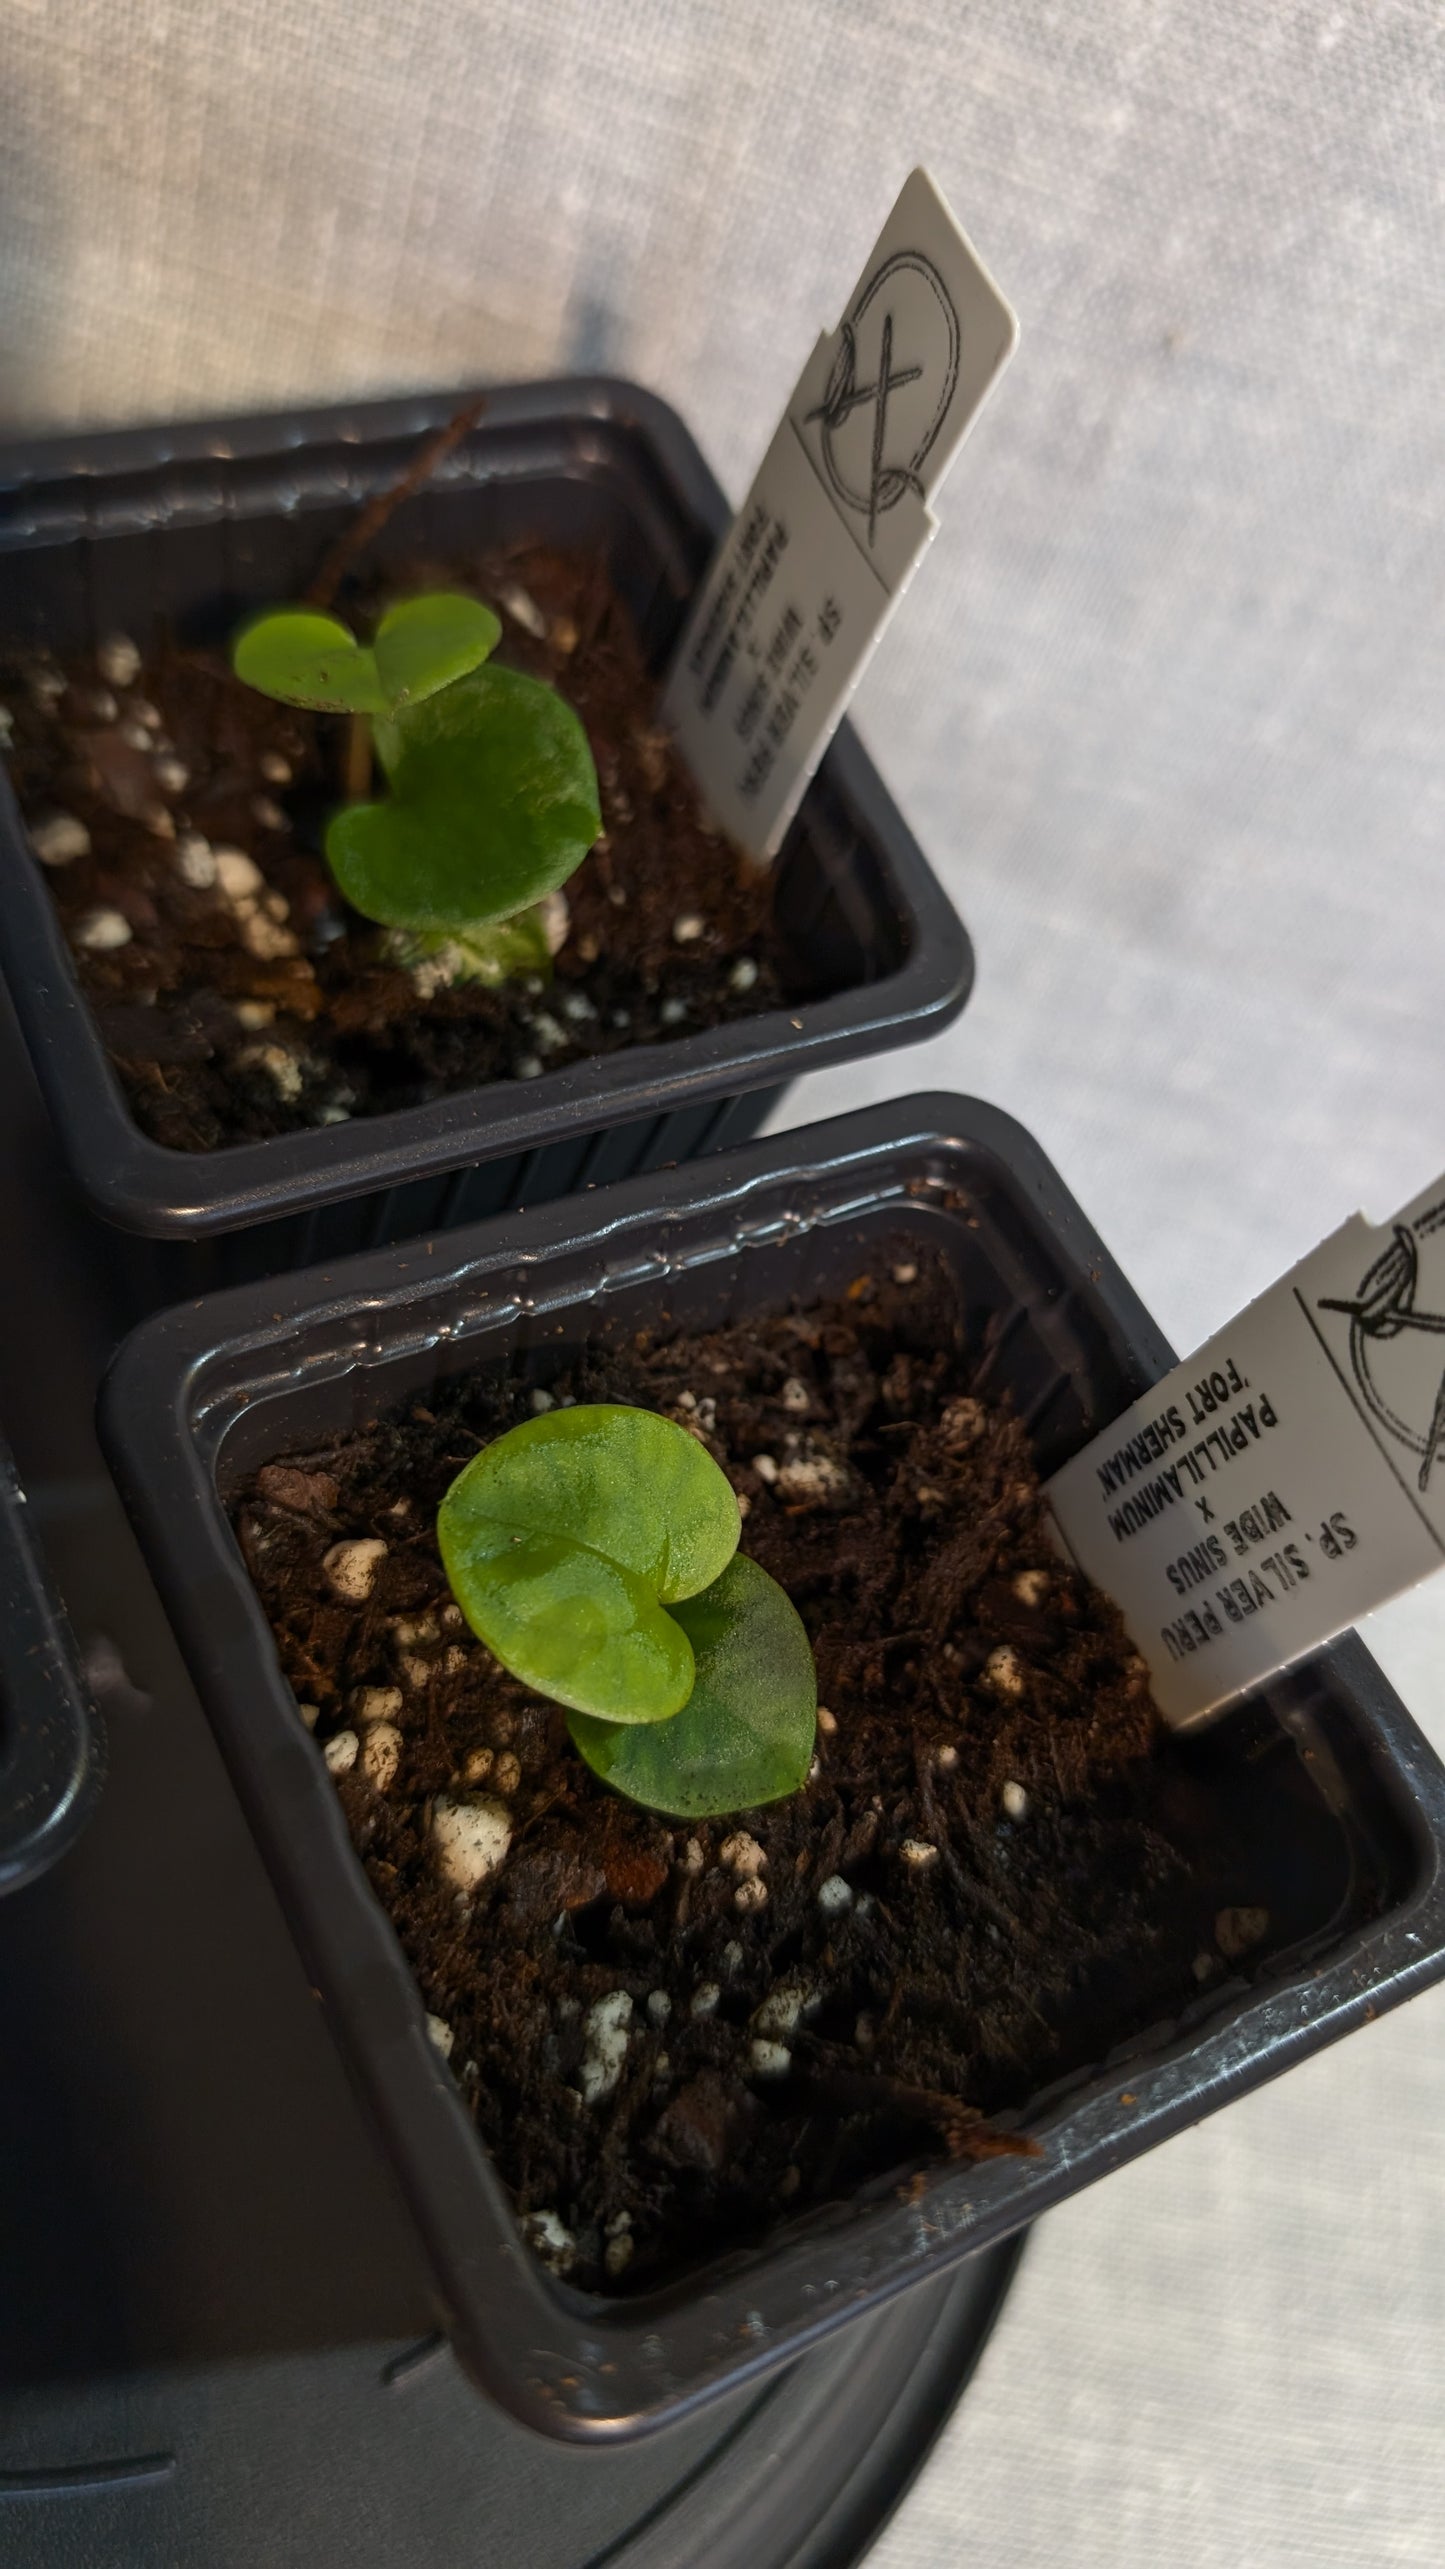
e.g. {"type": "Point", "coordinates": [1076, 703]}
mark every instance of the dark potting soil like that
{"type": "Point", "coordinates": [242, 1000]}
{"type": "Point", "coordinates": [675, 2035]}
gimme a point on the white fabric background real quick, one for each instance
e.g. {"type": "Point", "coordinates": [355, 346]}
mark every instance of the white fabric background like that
{"type": "Point", "coordinates": [1165, 705]}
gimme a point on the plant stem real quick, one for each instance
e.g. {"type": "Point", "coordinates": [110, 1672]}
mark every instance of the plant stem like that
{"type": "Point", "coordinates": [354, 538]}
{"type": "Point", "coordinates": [356, 764]}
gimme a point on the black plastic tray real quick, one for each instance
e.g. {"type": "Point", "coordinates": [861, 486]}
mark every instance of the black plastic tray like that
{"type": "Point", "coordinates": [192, 526]}
{"type": "Point", "coordinates": [1346, 1801]}
{"type": "Point", "coordinates": [217, 2332]}
{"type": "Point", "coordinates": [52, 1750]}
{"type": "Point", "coordinates": [382, 2456]}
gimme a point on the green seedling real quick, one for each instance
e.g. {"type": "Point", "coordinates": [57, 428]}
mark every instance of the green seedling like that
{"type": "Point", "coordinates": [594, 1551]}
{"type": "Point", "coordinates": [493, 794]}
{"type": "Point", "coordinates": [421, 644]}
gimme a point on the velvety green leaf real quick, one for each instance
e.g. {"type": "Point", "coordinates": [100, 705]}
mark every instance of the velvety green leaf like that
{"type": "Point", "coordinates": [493, 805]}
{"type": "Point", "coordinates": [745, 1734]}
{"type": "Point", "coordinates": [429, 642]}
{"type": "Point", "coordinates": [564, 1540]}
{"type": "Point", "coordinates": [308, 659]}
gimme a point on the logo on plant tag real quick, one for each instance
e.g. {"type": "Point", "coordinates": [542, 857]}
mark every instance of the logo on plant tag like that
{"type": "Point", "coordinates": [1397, 1339]}
{"type": "Point", "coordinates": [890, 386]}
{"type": "Point", "coordinates": [837, 520]}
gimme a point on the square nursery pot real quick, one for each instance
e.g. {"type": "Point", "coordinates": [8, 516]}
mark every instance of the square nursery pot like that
{"type": "Point", "coordinates": [190, 528]}
{"type": "Point", "coordinates": [52, 1754]}
{"type": "Point", "coordinates": [1341, 1800]}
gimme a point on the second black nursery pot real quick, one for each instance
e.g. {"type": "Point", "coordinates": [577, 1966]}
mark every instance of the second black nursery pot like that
{"type": "Point", "coordinates": [189, 529]}
{"type": "Point", "coordinates": [1340, 1798]}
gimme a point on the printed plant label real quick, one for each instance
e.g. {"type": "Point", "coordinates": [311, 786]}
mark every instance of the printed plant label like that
{"type": "Point", "coordinates": [1284, 1481]}
{"type": "Point", "coordinates": [835, 523]}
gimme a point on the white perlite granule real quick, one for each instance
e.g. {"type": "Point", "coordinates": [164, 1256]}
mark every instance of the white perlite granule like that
{"type": "Point", "coordinates": [352, 1567]}
{"type": "Point", "coordinates": [605, 2035]}
{"type": "Point", "coordinates": [471, 1839]}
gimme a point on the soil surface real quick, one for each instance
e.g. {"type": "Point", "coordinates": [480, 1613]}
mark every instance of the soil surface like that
{"type": "Point", "coordinates": [672, 2036]}
{"type": "Point", "coordinates": [241, 1001]}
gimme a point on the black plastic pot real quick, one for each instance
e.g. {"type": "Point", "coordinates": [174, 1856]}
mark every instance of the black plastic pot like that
{"type": "Point", "coordinates": [1343, 1802]}
{"type": "Point", "coordinates": [52, 1754]}
{"type": "Point", "coordinates": [191, 527]}
{"type": "Point", "coordinates": [206, 2258]}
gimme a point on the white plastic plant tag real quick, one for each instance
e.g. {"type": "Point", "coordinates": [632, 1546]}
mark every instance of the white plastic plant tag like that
{"type": "Point", "coordinates": [830, 533]}
{"type": "Point", "coordinates": [1287, 1478]}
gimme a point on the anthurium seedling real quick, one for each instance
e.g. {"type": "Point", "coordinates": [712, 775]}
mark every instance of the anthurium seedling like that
{"type": "Point", "coordinates": [493, 794]}
{"type": "Point", "coordinates": [594, 1551]}
{"type": "Point", "coordinates": [421, 645]}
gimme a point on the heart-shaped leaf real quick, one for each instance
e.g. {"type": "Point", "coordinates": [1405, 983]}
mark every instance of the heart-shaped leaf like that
{"type": "Point", "coordinates": [426, 643]}
{"type": "Point", "coordinates": [308, 659]}
{"type": "Point", "coordinates": [745, 1734]}
{"type": "Point", "coordinates": [566, 1540]}
{"type": "Point", "coordinates": [422, 645]}
{"type": "Point", "coordinates": [493, 805]}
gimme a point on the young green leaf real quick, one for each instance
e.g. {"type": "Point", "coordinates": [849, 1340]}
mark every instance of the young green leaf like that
{"type": "Point", "coordinates": [426, 643]}
{"type": "Point", "coordinates": [422, 644]}
{"type": "Point", "coordinates": [493, 805]}
{"type": "Point", "coordinates": [745, 1734]}
{"type": "Point", "coordinates": [308, 659]}
{"type": "Point", "coordinates": [566, 1540]}
{"type": "Point", "coordinates": [577, 1626]}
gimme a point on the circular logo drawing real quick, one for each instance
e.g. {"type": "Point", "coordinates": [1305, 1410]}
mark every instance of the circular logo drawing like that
{"type": "Point", "coordinates": [886, 402]}
{"type": "Point", "coordinates": [1388, 1320]}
